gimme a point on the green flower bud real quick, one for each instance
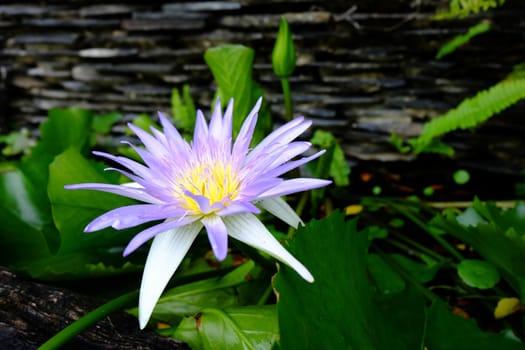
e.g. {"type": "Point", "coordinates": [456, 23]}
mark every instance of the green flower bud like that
{"type": "Point", "coordinates": [283, 54]}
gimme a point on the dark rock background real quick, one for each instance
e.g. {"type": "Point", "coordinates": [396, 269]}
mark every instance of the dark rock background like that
{"type": "Point", "coordinates": [365, 68]}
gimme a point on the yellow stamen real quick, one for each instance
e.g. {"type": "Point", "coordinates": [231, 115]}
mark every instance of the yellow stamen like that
{"type": "Point", "coordinates": [215, 181]}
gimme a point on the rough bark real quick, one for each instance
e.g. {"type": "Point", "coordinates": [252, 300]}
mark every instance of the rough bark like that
{"type": "Point", "coordinates": [30, 313]}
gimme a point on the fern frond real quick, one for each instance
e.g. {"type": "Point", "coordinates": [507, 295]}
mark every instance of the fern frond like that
{"type": "Point", "coordinates": [464, 8]}
{"type": "Point", "coordinates": [472, 111]}
{"type": "Point", "coordinates": [462, 39]}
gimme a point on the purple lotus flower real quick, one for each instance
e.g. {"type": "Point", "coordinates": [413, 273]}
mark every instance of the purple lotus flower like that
{"type": "Point", "coordinates": [208, 183]}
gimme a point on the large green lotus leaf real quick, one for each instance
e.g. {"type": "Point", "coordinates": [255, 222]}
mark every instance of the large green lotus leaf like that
{"type": "Point", "coordinates": [404, 317]}
{"type": "Point", "coordinates": [386, 279]}
{"type": "Point", "coordinates": [242, 327]}
{"type": "Point", "coordinates": [446, 331]}
{"type": "Point", "coordinates": [74, 209]}
{"type": "Point", "coordinates": [24, 215]}
{"type": "Point", "coordinates": [65, 128]}
{"type": "Point", "coordinates": [340, 310]}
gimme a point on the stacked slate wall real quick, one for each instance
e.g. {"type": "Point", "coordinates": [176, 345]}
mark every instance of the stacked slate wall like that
{"type": "Point", "coordinates": [365, 68]}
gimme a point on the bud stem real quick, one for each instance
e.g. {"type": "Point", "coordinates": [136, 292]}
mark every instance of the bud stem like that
{"type": "Point", "coordinates": [287, 96]}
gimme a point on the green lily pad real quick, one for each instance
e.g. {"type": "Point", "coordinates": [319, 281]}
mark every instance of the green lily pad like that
{"type": "Point", "coordinates": [478, 273]}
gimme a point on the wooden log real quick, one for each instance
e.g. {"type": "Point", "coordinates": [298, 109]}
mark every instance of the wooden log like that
{"type": "Point", "coordinates": [31, 313]}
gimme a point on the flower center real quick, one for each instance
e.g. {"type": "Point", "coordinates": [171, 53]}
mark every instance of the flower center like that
{"type": "Point", "coordinates": [215, 182]}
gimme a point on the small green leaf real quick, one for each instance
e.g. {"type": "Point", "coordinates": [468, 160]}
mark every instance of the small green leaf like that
{"type": "Point", "coordinates": [17, 142]}
{"type": "Point", "coordinates": [247, 327]}
{"type": "Point", "coordinates": [339, 169]}
{"type": "Point", "coordinates": [461, 177]}
{"type": "Point", "coordinates": [399, 143]}
{"type": "Point", "coordinates": [374, 232]}
{"type": "Point", "coordinates": [231, 66]}
{"type": "Point", "coordinates": [478, 273]}
{"type": "Point", "coordinates": [183, 109]}
{"type": "Point", "coordinates": [470, 217]}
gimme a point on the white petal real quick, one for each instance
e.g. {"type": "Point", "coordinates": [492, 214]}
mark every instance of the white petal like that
{"type": "Point", "coordinates": [278, 207]}
{"type": "Point", "coordinates": [166, 253]}
{"type": "Point", "coordinates": [248, 229]}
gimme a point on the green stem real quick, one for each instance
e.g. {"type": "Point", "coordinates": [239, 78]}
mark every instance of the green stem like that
{"type": "Point", "coordinates": [287, 96]}
{"type": "Point", "coordinates": [452, 251]}
{"type": "Point", "coordinates": [420, 253]}
{"type": "Point", "coordinates": [264, 297]}
{"type": "Point", "coordinates": [88, 320]}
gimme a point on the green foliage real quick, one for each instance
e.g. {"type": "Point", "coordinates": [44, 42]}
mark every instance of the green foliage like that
{"type": "Point", "coordinates": [345, 309]}
{"type": "Point", "coordinates": [337, 167]}
{"type": "Point", "coordinates": [102, 123]}
{"type": "Point", "coordinates": [462, 39]}
{"type": "Point", "coordinates": [478, 273]}
{"type": "Point", "coordinates": [448, 331]}
{"type": "Point", "coordinates": [496, 234]}
{"type": "Point", "coordinates": [231, 66]}
{"type": "Point", "coordinates": [183, 109]}
{"type": "Point", "coordinates": [469, 113]}
{"type": "Point", "coordinates": [312, 316]}
{"type": "Point", "coordinates": [191, 298]}
{"type": "Point", "coordinates": [464, 8]}
{"type": "Point", "coordinates": [461, 176]}
{"type": "Point", "coordinates": [43, 226]}
{"type": "Point", "coordinates": [242, 327]}
{"type": "Point", "coordinates": [16, 143]}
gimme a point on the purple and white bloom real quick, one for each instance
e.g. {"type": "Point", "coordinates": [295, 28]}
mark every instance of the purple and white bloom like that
{"type": "Point", "coordinates": [211, 182]}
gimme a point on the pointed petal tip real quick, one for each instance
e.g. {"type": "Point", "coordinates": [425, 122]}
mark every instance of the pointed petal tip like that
{"type": "Point", "coordinates": [258, 103]}
{"type": "Point", "coordinates": [142, 324]}
{"type": "Point", "coordinates": [308, 277]}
